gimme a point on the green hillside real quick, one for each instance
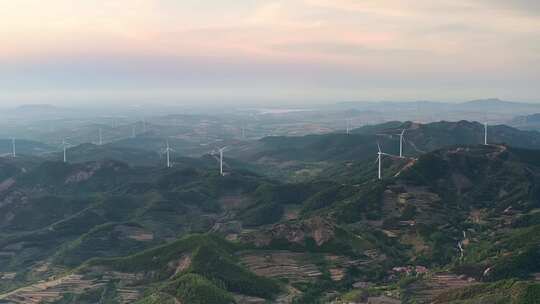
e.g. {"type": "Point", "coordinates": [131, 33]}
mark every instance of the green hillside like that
{"type": "Point", "coordinates": [448, 225]}
{"type": "Point", "coordinates": [305, 157]}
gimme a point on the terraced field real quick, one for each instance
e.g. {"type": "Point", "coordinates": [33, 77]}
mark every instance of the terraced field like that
{"type": "Point", "coordinates": [426, 291]}
{"type": "Point", "coordinates": [281, 264]}
{"type": "Point", "coordinates": [55, 288]}
{"type": "Point", "coordinates": [49, 291]}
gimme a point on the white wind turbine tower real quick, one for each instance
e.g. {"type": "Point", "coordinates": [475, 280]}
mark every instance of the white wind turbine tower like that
{"type": "Point", "coordinates": [100, 142]}
{"type": "Point", "coordinates": [379, 159]}
{"type": "Point", "coordinates": [401, 143]}
{"type": "Point", "coordinates": [485, 133]}
{"type": "Point", "coordinates": [64, 146]}
{"type": "Point", "coordinates": [13, 148]}
{"type": "Point", "coordinates": [348, 126]}
{"type": "Point", "coordinates": [221, 150]}
{"type": "Point", "coordinates": [168, 151]}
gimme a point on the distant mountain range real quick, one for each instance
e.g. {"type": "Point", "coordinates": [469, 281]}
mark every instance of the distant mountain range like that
{"type": "Point", "coordinates": [36, 107]}
{"type": "Point", "coordinates": [486, 103]}
{"type": "Point", "coordinates": [526, 122]}
{"type": "Point", "coordinates": [492, 110]}
{"type": "Point", "coordinates": [361, 144]}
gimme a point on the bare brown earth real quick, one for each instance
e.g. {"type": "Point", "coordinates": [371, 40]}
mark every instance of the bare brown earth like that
{"type": "Point", "coordinates": [411, 162]}
{"type": "Point", "coordinates": [83, 174]}
{"type": "Point", "coordinates": [281, 264]}
{"type": "Point", "coordinates": [53, 289]}
{"type": "Point", "coordinates": [395, 198]}
{"type": "Point", "coordinates": [49, 291]}
{"type": "Point", "coordinates": [232, 202]}
{"type": "Point", "coordinates": [295, 267]}
{"type": "Point", "coordinates": [182, 264]}
{"type": "Point", "coordinates": [134, 233]}
{"type": "Point", "coordinates": [5, 185]}
{"type": "Point", "coordinates": [292, 212]}
{"type": "Point", "coordinates": [241, 299]}
{"type": "Point", "coordinates": [426, 291]}
{"type": "Point", "coordinates": [382, 300]}
{"type": "Point", "coordinates": [317, 228]}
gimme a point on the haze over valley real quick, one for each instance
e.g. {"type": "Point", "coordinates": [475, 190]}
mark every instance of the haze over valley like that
{"type": "Point", "coordinates": [256, 152]}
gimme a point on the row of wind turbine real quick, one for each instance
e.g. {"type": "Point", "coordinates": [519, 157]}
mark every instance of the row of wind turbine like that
{"type": "Point", "coordinates": [167, 151]}
{"type": "Point", "coordinates": [380, 153]}
{"type": "Point", "coordinates": [401, 141]}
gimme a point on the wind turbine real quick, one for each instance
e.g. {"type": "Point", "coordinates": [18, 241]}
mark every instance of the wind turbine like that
{"type": "Point", "coordinates": [379, 159]}
{"type": "Point", "coordinates": [401, 143]}
{"type": "Point", "coordinates": [348, 126]}
{"type": "Point", "coordinates": [221, 150]}
{"type": "Point", "coordinates": [100, 137]}
{"type": "Point", "coordinates": [485, 133]}
{"type": "Point", "coordinates": [168, 151]}
{"type": "Point", "coordinates": [13, 148]}
{"type": "Point", "coordinates": [64, 146]}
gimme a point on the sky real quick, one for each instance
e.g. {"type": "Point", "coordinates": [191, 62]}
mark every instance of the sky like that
{"type": "Point", "coordinates": [266, 52]}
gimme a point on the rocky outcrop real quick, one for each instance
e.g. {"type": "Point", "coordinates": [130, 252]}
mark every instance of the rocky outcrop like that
{"type": "Point", "coordinates": [319, 229]}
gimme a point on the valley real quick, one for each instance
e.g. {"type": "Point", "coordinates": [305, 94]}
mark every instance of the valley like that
{"type": "Point", "coordinates": [270, 152]}
{"type": "Point", "coordinates": [444, 224]}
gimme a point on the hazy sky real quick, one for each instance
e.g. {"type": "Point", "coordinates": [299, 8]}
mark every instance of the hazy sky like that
{"type": "Point", "coordinates": [69, 51]}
